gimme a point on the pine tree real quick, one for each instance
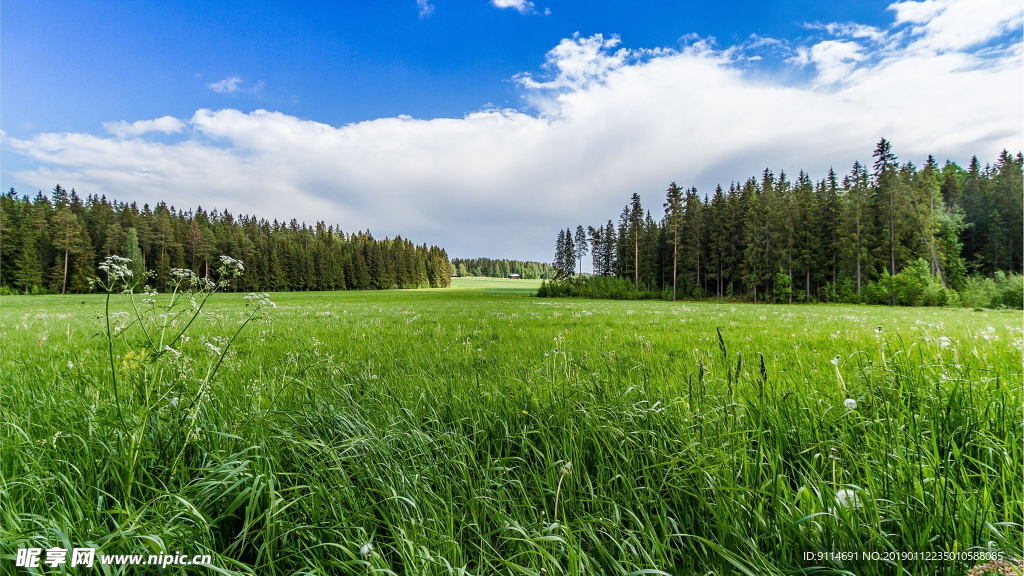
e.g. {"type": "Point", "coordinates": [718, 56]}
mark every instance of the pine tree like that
{"type": "Point", "coordinates": [674, 221]}
{"type": "Point", "coordinates": [12, 228]}
{"type": "Point", "coordinates": [580, 245]}
{"type": "Point", "coordinates": [634, 223]}
{"type": "Point", "coordinates": [68, 240]}
{"type": "Point", "coordinates": [609, 254]}
{"type": "Point", "coordinates": [28, 269]}
{"type": "Point", "coordinates": [856, 225]}
{"type": "Point", "coordinates": [693, 245]}
{"type": "Point", "coordinates": [828, 205]}
{"type": "Point", "coordinates": [806, 241]}
{"type": "Point", "coordinates": [131, 251]}
{"type": "Point", "coordinates": [755, 233]}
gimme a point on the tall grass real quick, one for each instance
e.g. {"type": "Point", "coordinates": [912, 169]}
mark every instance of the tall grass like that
{"type": "Point", "coordinates": [457, 432]}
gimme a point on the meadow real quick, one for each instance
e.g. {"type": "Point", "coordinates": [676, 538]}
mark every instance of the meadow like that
{"type": "Point", "coordinates": [481, 430]}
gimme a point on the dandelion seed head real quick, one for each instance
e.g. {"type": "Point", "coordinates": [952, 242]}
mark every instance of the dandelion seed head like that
{"type": "Point", "coordinates": [847, 498]}
{"type": "Point", "coordinates": [850, 404]}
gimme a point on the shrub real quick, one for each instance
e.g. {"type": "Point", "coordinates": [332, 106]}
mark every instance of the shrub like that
{"type": "Point", "coordinates": [603, 287]}
{"type": "Point", "coordinates": [783, 287]}
{"type": "Point", "coordinates": [1000, 291]}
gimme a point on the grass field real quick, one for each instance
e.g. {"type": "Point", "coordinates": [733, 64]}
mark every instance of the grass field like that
{"type": "Point", "coordinates": [477, 430]}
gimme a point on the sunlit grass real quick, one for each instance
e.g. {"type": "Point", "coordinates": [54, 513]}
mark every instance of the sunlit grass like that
{"type": "Point", "coordinates": [438, 426]}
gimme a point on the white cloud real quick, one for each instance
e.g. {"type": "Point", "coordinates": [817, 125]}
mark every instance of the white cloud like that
{"type": "Point", "coordinates": [957, 24]}
{"type": "Point", "coordinates": [165, 124]}
{"type": "Point", "coordinates": [835, 59]}
{"type": "Point", "coordinates": [578, 62]}
{"type": "Point", "coordinates": [226, 85]}
{"type": "Point", "coordinates": [612, 122]}
{"type": "Point", "coordinates": [521, 6]}
{"type": "Point", "coordinates": [426, 8]}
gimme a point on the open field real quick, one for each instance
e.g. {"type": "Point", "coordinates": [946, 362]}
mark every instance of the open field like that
{"type": "Point", "coordinates": [498, 285]}
{"type": "Point", "coordinates": [476, 430]}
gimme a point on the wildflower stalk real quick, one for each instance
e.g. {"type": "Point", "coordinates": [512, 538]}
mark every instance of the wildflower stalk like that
{"type": "Point", "coordinates": [117, 274]}
{"type": "Point", "coordinates": [564, 471]}
{"type": "Point", "coordinates": [110, 356]}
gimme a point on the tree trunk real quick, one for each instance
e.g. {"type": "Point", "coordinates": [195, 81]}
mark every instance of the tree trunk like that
{"type": "Point", "coordinates": [892, 237]}
{"type": "Point", "coordinates": [675, 273]}
{"type": "Point", "coordinates": [636, 263]}
{"type": "Point", "coordinates": [64, 283]}
{"type": "Point", "coordinates": [790, 279]}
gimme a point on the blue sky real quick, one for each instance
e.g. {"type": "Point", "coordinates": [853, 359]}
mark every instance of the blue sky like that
{"type": "Point", "coordinates": [481, 127]}
{"type": "Point", "coordinates": [70, 66]}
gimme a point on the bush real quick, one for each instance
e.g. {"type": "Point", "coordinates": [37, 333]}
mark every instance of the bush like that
{"type": "Point", "coordinates": [912, 286]}
{"type": "Point", "coordinates": [841, 291]}
{"type": "Point", "coordinates": [1000, 291]}
{"type": "Point", "coordinates": [783, 287]}
{"type": "Point", "coordinates": [603, 287]}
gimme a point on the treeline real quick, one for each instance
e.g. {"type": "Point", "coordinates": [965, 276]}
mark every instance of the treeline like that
{"type": "Point", "coordinates": [500, 268]}
{"type": "Point", "coordinates": [53, 244]}
{"type": "Point", "coordinates": [889, 233]}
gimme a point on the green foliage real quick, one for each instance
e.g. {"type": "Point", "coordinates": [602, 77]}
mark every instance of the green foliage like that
{"type": "Point", "coordinates": [501, 268]}
{"type": "Point", "coordinates": [820, 238]}
{"type": "Point", "coordinates": [1000, 291]}
{"type": "Point", "coordinates": [443, 426]}
{"type": "Point", "coordinates": [56, 245]}
{"type": "Point", "coordinates": [783, 288]}
{"type": "Point", "coordinates": [604, 287]}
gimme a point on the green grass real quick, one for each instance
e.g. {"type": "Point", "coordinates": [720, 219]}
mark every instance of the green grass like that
{"type": "Point", "coordinates": [438, 424]}
{"type": "Point", "coordinates": [498, 285]}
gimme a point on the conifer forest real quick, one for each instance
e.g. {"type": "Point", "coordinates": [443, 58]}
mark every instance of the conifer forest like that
{"type": "Point", "coordinates": [53, 244]}
{"type": "Point", "coordinates": [884, 233]}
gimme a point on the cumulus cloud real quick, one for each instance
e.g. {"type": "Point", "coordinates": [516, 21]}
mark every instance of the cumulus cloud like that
{"type": "Point", "coordinates": [230, 84]}
{"type": "Point", "coordinates": [608, 122]}
{"type": "Point", "coordinates": [578, 62]}
{"type": "Point", "coordinates": [956, 24]}
{"type": "Point", "coordinates": [521, 6]}
{"type": "Point", "coordinates": [165, 124]}
{"type": "Point", "coordinates": [425, 7]}
{"type": "Point", "coordinates": [835, 59]}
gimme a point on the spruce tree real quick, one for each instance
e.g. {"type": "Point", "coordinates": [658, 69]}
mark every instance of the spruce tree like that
{"type": "Point", "coordinates": [70, 244]}
{"type": "Point", "coordinates": [674, 221]}
{"type": "Point", "coordinates": [580, 245]}
{"type": "Point", "coordinates": [131, 251]}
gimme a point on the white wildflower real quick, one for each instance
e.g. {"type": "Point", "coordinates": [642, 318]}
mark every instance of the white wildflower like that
{"type": "Point", "coordinates": [850, 404]}
{"type": "Point", "coordinates": [945, 341]}
{"type": "Point", "coordinates": [230, 266]}
{"type": "Point", "coordinates": [116, 269]}
{"type": "Point", "coordinates": [183, 277]}
{"type": "Point", "coordinates": [259, 300]}
{"type": "Point", "coordinates": [70, 365]}
{"type": "Point", "coordinates": [847, 498]}
{"type": "Point", "coordinates": [366, 550]}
